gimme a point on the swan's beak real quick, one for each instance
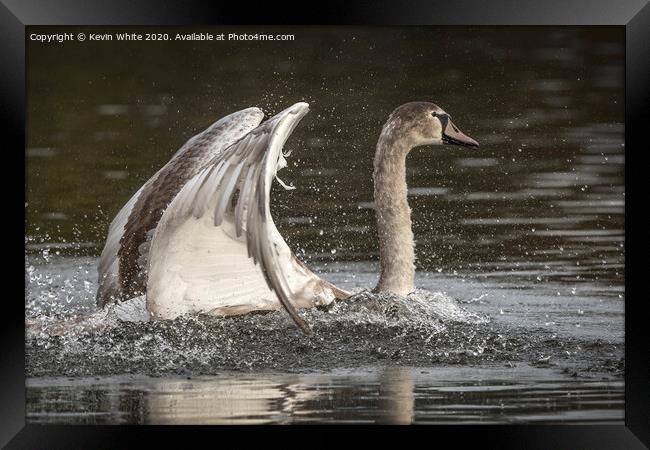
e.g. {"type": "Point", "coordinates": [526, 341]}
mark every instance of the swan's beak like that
{"type": "Point", "coordinates": [452, 135]}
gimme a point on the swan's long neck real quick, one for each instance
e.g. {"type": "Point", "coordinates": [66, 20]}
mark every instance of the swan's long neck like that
{"type": "Point", "coordinates": [396, 246]}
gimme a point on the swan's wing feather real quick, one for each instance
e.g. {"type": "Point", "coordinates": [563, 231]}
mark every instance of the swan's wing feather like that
{"type": "Point", "coordinates": [247, 168]}
{"type": "Point", "coordinates": [123, 263]}
{"type": "Point", "coordinates": [217, 247]}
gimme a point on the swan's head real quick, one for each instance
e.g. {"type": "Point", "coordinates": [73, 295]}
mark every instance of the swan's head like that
{"type": "Point", "coordinates": [423, 123]}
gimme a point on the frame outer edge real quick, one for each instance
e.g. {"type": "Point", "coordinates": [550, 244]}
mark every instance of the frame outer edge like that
{"type": "Point", "coordinates": [12, 116]}
{"type": "Point", "coordinates": [637, 107]}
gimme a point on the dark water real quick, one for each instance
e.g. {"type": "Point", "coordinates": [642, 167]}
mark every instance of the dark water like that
{"type": "Point", "coordinates": [520, 252]}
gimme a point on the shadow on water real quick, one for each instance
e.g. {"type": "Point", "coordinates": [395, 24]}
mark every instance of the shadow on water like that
{"type": "Point", "coordinates": [519, 244]}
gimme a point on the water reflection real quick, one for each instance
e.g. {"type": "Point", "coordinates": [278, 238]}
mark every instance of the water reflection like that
{"type": "Point", "coordinates": [227, 401]}
{"type": "Point", "coordinates": [396, 395]}
{"type": "Point", "coordinates": [392, 395]}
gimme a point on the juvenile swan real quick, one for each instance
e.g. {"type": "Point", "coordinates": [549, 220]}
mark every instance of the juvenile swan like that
{"type": "Point", "coordinates": [199, 238]}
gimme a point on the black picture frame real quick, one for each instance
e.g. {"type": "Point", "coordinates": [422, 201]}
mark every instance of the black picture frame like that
{"type": "Point", "coordinates": [15, 15]}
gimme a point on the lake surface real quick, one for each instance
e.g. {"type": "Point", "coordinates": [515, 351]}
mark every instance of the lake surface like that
{"type": "Point", "coordinates": [519, 313]}
{"type": "Point", "coordinates": [391, 395]}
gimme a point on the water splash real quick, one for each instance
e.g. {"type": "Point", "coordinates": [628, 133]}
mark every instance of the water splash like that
{"type": "Point", "coordinates": [68, 336]}
{"type": "Point", "coordinates": [368, 327]}
{"type": "Point", "coordinates": [421, 309]}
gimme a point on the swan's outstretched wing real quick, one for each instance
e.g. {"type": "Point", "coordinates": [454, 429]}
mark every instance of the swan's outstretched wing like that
{"type": "Point", "coordinates": [123, 263]}
{"type": "Point", "coordinates": [216, 249]}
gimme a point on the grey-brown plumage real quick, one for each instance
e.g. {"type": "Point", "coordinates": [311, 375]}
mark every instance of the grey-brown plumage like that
{"type": "Point", "coordinates": [410, 125]}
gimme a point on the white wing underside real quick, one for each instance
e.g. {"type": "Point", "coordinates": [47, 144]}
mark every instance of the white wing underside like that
{"type": "Point", "coordinates": [216, 249]}
{"type": "Point", "coordinates": [200, 268]}
{"type": "Point", "coordinates": [116, 287]}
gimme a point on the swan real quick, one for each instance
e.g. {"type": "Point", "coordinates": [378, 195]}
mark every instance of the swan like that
{"type": "Point", "coordinates": [198, 236]}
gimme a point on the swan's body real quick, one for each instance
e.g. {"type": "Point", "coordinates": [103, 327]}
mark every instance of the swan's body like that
{"type": "Point", "coordinates": [198, 237]}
